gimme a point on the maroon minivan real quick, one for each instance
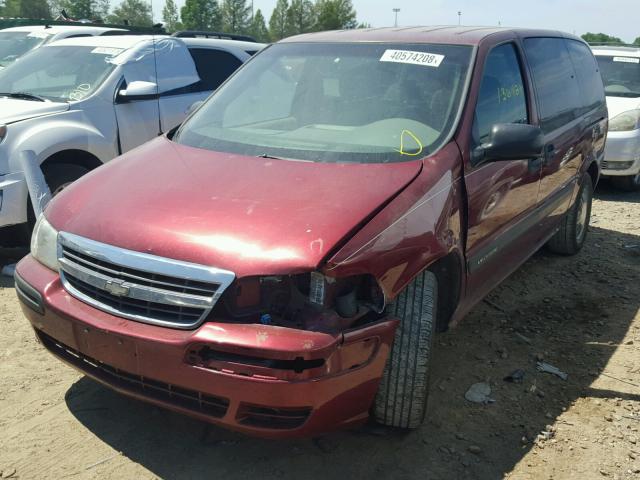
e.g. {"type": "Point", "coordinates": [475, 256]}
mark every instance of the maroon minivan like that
{"type": "Point", "coordinates": [280, 263]}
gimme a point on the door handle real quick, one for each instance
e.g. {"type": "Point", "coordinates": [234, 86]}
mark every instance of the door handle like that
{"type": "Point", "coordinates": [549, 152]}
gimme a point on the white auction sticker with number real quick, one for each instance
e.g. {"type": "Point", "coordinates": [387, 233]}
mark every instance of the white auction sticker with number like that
{"type": "Point", "coordinates": [107, 51]}
{"type": "Point", "coordinates": [626, 59]}
{"type": "Point", "coordinates": [414, 58]}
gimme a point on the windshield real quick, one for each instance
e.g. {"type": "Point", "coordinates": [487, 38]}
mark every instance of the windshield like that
{"type": "Point", "coordinates": [15, 44]}
{"type": "Point", "coordinates": [621, 75]}
{"type": "Point", "coordinates": [59, 73]}
{"type": "Point", "coordinates": [336, 103]}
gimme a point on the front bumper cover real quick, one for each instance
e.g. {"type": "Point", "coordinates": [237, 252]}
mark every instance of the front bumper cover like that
{"type": "Point", "coordinates": [622, 154]}
{"type": "Point", "coordinates": [262, 380]}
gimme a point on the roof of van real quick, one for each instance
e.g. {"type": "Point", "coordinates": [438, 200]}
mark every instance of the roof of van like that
{"type": "Point", "coordinates": [128, 41]}
{"type": "Point", "coordinates": [613, 51]}
{"type": "Point", "coordinates": [55, 29]}
{"type": "Point", "coordinates": [463, 35]}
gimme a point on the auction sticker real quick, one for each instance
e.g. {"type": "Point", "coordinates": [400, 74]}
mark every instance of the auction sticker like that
{"type": "Point", "coordinates": [107, 51]}
{"type": "Point", "coordinates": [414, 58]}
{"type": "Point", "coordinates": [626, 59]}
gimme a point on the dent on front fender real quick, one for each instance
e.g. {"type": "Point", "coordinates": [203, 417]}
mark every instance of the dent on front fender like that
{"type": "Point", "coordinates": [421, 225]}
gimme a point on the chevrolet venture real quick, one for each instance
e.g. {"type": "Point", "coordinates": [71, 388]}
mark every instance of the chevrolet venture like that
{"type": "Point", "coordinates": [280, 263]}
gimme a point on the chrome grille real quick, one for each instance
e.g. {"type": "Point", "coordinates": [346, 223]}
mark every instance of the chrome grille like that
{"type": "Point", "coordinates": [139, 286]}
{"type": "Point", "coordinates": [615, 165]}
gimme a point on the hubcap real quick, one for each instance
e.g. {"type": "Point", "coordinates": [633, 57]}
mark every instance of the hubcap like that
{"type": "Point", "coordinates": [583, 211]}
{"type": "Point", "coordinates": [636, 179]}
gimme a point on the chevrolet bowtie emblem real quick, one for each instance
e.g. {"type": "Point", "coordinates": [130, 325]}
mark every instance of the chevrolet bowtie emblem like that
{"type": "Point", "coordinates": [117, 288]}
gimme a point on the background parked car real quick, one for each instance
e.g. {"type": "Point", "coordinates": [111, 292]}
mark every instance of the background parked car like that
{"type": "Point", "coordinates": [620, 69]}
{"type": "Point", "coordinates": [17, 41]}
{"type": "Point", "coordinates": [80, 102]}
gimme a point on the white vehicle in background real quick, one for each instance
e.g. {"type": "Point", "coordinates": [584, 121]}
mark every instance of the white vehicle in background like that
{"type": "Point", "coordinates": [78, 103]}
{"type": "Point", "coordinates": [17, 41]}
{"type": "Point", "coordinates": [620, 69]}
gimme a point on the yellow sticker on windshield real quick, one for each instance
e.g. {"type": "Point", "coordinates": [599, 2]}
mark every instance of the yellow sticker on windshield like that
{"type": "Point", "coordinates": [419, 146]}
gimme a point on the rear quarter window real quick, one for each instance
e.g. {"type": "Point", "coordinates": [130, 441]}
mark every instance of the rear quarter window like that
{"type": "Point", "coordinates": [213, 66]}
{"type": "Point", "coordinates": [555, 81]}
{"type": "Point", "coordinates": [588, 72]}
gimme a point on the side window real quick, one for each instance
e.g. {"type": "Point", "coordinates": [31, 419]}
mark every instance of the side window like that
{"type": "Point", "coordinates": [502, 97]}
{"type": "Point", "coordinates": [214, 66]}
{"type": "Point", "coordinates": [555, 81]}
{"type": "Point", "coordinates": [588, 72]}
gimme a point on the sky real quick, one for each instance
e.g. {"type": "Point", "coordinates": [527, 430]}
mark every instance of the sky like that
{"type": "Point", "coordinates": [615, 17]}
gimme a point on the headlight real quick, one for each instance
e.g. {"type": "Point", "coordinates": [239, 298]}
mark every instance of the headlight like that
{"type": "Point", "coordinates": [44, 244]}
{"type": "Point", "coordinates": [625, 121]}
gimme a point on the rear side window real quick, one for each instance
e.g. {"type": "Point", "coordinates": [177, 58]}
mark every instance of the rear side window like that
{"type": "Point", "coordinates": [555, 81]}
{"type": "Point", "coordinates": [502, 97]}
{"type": "Point", "coordinates": [589, 79]}
{"type": "Point", "coordinates": [213, 66]}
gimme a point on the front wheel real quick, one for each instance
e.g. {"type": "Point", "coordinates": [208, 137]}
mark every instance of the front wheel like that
{"type": "Point", "coordinates": [572, 234]}
{"type": "Point", "coordinates": [401, 400]}
{"type": "Point", "coordinates": [629, 183]}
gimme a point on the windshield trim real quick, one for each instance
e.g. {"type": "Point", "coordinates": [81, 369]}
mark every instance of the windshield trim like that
{"type": "Point", "coordinates": [452, 131]}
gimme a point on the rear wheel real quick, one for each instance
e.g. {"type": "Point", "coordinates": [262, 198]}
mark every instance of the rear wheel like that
{"type": "Point", "coordinates": [630, 183]}
{"type": "Point", "coordinates": [401, 400]}
{"type": "Point", "coordinates": [572, 234]}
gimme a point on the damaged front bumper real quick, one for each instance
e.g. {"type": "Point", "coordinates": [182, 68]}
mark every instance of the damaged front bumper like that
{"type": "Point", "coordinates": [262, 380]}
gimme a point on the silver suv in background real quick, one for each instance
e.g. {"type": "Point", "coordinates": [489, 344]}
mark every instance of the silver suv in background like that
{"type": "Point", "coordinates": [78, 103]}
{"type": "Point", "coordinates": [620, 69]}
{"type": "Point", "coordinates": [17, 41]}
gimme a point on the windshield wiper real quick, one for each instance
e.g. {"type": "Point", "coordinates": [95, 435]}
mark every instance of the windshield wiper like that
{"type": "Point", "coordinates": [23, 96]}
{"type": "Point", "coordinates": [264, 155]}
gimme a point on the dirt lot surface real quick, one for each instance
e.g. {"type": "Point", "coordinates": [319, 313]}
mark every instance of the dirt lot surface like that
{"type": "Point", "coordinates": [579, 314]}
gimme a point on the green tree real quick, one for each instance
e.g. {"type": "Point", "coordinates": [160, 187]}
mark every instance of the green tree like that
{"type": "Point", "coordinates": [236, 16]}
{"type": "Point", "coordinates": [637, 41]}
{"type": "Point", "coordinates": [335, 15]}
{"type": "Point", "coordinates": [102, 9]}
{"type": "Point", "coordinates": [135, 12]}
{"type": "Point", "coordinates": [26, 9]}
{"type": "Point", "coordinates": [34, 9]}
{"type": "Point", "coordinates": [301, 17]}
{"type": "Point", "coordinates": [201, 15]}
{"type": "Point", "coordinates": [171, 17]}
{"type": "Point", "coordinates": [601, 38]}
{"type": "Point", "coordinates": [258, 27]}
{"type": "Point", "coordinates": [79, 9]}
{"type": "Point", "coordinates": [278, 21]}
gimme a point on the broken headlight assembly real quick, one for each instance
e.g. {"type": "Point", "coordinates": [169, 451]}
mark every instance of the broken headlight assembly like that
{"type": "Point", "coordinates": [311, 301]}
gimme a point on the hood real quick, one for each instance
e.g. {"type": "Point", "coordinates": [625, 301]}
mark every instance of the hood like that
{"type": "Point", "coordinates": [618, 105]}
{"type": "Point", "coordinates": [13, 110]}
{"type": "Point", "coordinates": [250, 215]}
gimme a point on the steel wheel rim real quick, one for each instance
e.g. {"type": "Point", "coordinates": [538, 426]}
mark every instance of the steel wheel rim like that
{"type": "Point", "coordinates": [583, 211]}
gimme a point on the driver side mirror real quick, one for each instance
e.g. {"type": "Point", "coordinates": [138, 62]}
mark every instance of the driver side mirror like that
{"type": "Point", "coordinates": [510, 141]}
{"type": "Point", "coordinates": [138, 90]}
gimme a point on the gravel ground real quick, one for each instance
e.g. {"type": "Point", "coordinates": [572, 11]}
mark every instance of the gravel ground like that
{"type": "Point", "coordinates": [579, 314]}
